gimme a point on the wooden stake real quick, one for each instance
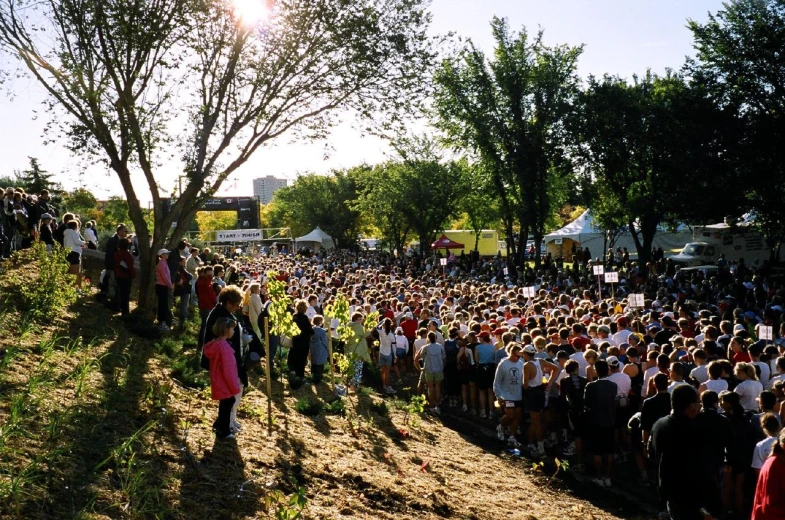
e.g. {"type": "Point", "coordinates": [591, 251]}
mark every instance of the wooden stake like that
{"type": "Point", "coordinates": [269, 377]}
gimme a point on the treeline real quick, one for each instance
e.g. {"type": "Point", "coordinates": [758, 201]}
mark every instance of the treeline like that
{"type": "Point", "coordinates": [694, 145]}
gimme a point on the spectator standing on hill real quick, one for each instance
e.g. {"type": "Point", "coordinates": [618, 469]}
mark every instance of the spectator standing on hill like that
{"type": "Point", "coordinates": [124, 273]}
{"type": "Point", "coordinates": [110, 287]}
{"type": "Point", "coordinates": [74, 244]}
{"type": "Point", "coordinates": [163, 284]}
{"type": "Point", "coordinates": [45, 231]}
{"type": "Point", "coordinates": [224, 382]}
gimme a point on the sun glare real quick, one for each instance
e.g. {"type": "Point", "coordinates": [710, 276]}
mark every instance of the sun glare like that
{"type": "Point", "coordinates": [251, 12]}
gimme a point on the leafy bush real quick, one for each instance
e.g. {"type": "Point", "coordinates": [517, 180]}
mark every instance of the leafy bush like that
{"type": "Point", "coordinates": [53, 289]}
{"type": "Point", "coordinates": [307, 407]}
{"type": "Point", "coordinates": [187, 370]}
{"type": "Point", "coordinates": [337, 407]}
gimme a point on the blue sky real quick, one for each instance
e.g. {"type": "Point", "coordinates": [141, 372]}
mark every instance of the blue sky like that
{"type": "Point", "coordinates": [622, 37]}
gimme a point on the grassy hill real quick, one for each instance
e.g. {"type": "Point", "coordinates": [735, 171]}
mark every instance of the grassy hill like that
{"type": "Point", "coordinates": [100, 422]}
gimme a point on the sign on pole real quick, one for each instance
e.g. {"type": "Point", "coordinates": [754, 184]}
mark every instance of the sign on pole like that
{"type": "Point", "coordinates": [529, 292]}
{"type": "Point", "coordinates": [239, 235]}
{"type": "Point", "coordinates": [766, 333]}
{"type": "Point", "coordinates": [598, 270]}
{"type": "Point", "coordinates": [443, 261]}
{"type": "Point", "coordinates": [611, 277]}
{"type": "Point", "coordinates": [635, 301]}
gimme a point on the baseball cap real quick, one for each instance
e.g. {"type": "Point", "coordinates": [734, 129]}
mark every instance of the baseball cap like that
{"type": "Point", "coordinates": [622, 322]}
{"type": "Point", "coordinates": [484, 334]}
{"type": "Point", "coordinates": [163, 252]}
{"type": "Point", "coordinates": [46, 216]}
{"type": "Point", "coordinates": [613, 361]}
{"type": "Point", "coordinates": [529, 349]}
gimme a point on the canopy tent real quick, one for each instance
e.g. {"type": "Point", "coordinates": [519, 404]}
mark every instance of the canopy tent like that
{"type": "Point", "coordinates": [585, 233]}
{"type": "Point", "coordinates": [445, 242]}
{"type": "Point", "coordinates": [315, 240]}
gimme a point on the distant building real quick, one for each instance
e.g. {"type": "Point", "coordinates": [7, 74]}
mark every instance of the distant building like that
{"type": "Point", "coordinates": [264, 187]}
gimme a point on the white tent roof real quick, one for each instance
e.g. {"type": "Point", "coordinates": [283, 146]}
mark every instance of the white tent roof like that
{"type": "Point", "coordinates": [317, 235]}
{"type": "Point", "coordinates": [583, 225]}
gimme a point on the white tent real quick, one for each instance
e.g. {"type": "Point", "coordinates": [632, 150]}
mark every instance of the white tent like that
{"type": "Point", "coordinates": [316, 239]}
{"type": "Point", "coordinates": [584, 232]}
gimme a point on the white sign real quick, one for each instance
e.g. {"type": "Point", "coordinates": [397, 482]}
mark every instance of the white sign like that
{"type": "Point", "coordinates": [239, 235]}
{"type": "Point", "coordinates": [635, 300]}
{"type": "Point", "coordinates": [529, 292]}
{"type": "Point", "coordinates": [558, 241]}
{"type": "Point", "coordinates": [766, 333]}
{"type": "Point", "coordinates": [611, 277]}
{"type": "Point", "coordinates": [597, 270]}
{"type": "Point", "coordinates": [443, 261]}
{"type": "Point", "coordinates": [506, 271]}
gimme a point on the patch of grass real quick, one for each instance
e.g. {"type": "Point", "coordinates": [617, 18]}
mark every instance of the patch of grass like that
{"type": "Point", "coordinates": [308, 407]}
{"type": "Point", "coordinates": [187, 370]}
{"type": "Point", "coordinates": [337, 407]}
{"type": "Point", "coordinates": [169, 347]}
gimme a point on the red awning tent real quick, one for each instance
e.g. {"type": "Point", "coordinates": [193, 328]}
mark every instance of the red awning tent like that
{"type": "Point", "coordinates": [445, 243]}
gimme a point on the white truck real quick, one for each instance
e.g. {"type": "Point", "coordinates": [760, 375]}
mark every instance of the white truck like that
{"type": "Point", "coordinates": [734, 241]}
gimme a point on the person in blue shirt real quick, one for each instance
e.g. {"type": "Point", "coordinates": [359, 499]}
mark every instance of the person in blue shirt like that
{"type": "Point", "coordinates": [318, 349]}
{"type": "Point", "coordinates": [486, 370]}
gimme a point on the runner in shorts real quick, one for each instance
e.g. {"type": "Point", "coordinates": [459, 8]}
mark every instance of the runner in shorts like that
{"type": "Point", "coordinates": [535, 384]}
{"type": "Point", "coordinates": [508, 387]}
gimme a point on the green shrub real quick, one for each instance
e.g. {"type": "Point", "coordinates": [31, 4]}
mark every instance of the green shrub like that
{"type": "Point", "coordinates": [337, 407]}
{"type": "Point", "coordinates": [53, 289]}
{"type": "Point", "coordinates": [307, 407]}
{"type": "Point", "coordinates": [187, 370]}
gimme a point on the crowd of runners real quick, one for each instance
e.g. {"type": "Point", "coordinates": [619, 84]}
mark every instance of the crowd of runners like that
{"type": "Point", "coordinates": [687, 385]}
{"type": "Point", "coordinates": [684, 386]}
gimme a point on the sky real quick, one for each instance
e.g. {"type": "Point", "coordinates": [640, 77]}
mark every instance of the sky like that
{"type": "Point", "coordinates": [621, 37]}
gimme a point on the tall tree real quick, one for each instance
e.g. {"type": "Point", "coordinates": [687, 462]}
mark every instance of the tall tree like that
{"type": "Point", "coordinates": [740, 61]}
{"type": "Point", "coordinates": [382, 195]}
{"type": "Point", "coordinates": [510, 111]}
{"type": "Point", "coordinates": [432, 187]}
{"type": "Point", "coordinates": [140, 83]}
{"type": "Point", "coordinates": [35, 179]}
{"type": "Point", "coordinates": [650, 149]}
{"type": "Point", "coordinates": [325, 201]}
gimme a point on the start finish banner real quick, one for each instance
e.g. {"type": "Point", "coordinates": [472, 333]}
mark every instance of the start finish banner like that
{"type": "Point", "coordinates": [239, 235]}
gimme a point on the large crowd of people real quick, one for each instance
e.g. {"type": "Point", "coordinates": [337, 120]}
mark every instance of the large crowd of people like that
{"type": "Point", "coordinates": [683, 388]}
{"type": "Point", "coordinates": [687, 386]}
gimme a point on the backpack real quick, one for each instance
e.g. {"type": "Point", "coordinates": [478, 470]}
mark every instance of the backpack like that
{"type": "Point", "coordinates": [463, 362]}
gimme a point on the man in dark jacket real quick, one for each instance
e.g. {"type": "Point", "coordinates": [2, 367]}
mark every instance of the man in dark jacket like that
{"type": "Point", "coordinates": [109, 286]}
{"type": "Point", "coordinates": [675, 446]}
{"type": "Point", "coordinates": [717, 434]}
{"type": "Point", "coordinates": [600, 404]}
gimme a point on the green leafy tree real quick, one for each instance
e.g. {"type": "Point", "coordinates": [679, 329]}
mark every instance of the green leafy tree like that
{"type": "Point", "coordinates": [82, 203]}
{"type": "Point", "coordinates": [137, 84]}
{"type": "Point", "coordinates": [115, 211]}
{"type": "Point", "coordinates": [740, 62]}
{"type": "Point", "coordinates": [325, 201]}
{"type": "Point", "coordinates": [510, 112]}
{"type": "Point", "coordinates": [382, 193]}
{"type": "Point", "coordinates": [650, 149]}
{"type": "Point", "coordinates": [432, 187]}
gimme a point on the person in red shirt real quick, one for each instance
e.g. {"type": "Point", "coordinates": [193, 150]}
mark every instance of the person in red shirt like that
{"type": "Point", "coordinates": [204, 292]}
{"type": "Point", "coordinates": [769, 501]}
{"type": "Point", "coordinates": [124, 273]}
{"type": "Point", "coordinates": [739, 348]}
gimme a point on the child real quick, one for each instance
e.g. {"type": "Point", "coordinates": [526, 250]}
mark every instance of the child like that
{"type": "Point", "coordinates": [224, 382]}
{"type": "Point", "coordinates": [319, 349]}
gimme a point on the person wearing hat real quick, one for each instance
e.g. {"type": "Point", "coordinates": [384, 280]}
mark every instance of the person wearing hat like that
{"type": "Point", "coordinates": [163, 284]}
{"type": "Point", "coordinates": [45, 231]}
{"type": "Point", "coordinates": [535, 384]}
{"type": "Point", "coordinates": [508, 388]}
{"type": "Point", "coordinates": [669, 329]}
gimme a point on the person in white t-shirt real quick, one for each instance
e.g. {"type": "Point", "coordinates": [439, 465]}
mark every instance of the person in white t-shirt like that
{"type": "Point", "coordinates": [771, 427]}
{"type": "Point", "coordinates": [677, 376]}
{"type": "Point", "coordinates": [701, 372]}
{"type": "Point", "coordinates": [623, 333]}
{"type": "Point", "coordinates": [749, 388]}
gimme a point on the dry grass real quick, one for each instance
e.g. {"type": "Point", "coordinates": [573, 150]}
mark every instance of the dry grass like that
{"type": "Point", "coordinates": [104, 431]}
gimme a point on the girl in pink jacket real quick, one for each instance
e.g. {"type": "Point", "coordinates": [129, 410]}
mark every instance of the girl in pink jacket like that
{"type": "Point", "coordinates": [224, 382]}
